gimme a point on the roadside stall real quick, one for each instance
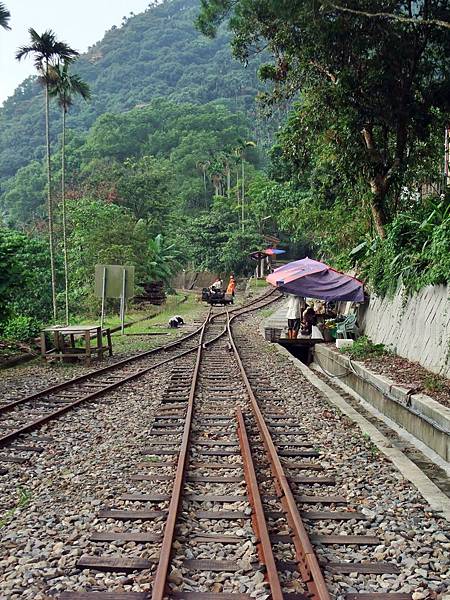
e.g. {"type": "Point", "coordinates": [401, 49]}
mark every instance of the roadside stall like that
{"type": "Point", "coordinates": [320, 288]}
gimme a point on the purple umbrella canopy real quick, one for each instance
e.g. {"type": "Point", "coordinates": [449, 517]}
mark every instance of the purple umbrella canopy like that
{"type": "Point", "coordinates": [313, 279]}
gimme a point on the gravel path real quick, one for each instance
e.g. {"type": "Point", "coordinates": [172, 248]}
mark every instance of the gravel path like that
{"type": "Point", "coordinates": [88, 463]}
{"type": "Point", "coordinates": [412, 537]}
{"type": "Point", "coordinates": [95, 450]}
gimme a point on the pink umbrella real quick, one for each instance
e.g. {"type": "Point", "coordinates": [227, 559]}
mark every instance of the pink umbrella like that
{"type": "Point", "coordinates": [313, 279]}
{"type": "Point", "coordinates": [273, 251]}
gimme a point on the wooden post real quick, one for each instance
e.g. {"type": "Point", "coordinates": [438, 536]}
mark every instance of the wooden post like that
{"type": "Point", "coordinates": [43, 344]}
{"type": "Point", "coordinates": [100, 342]}
{"type": "Point", "coordinates": [102, 318]}
{"type": "Point", "coordinates": [87, 338]}
{"type": "Point", "coordinates": [57, 343]}
{"type": "Point", "coordinates": [122, 303]}
{"type": "Point", "coordinates": [108, 337]}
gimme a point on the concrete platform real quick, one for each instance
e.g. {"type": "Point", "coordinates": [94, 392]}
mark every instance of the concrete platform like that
{"type": "Point", "coordinates": [420, 415]}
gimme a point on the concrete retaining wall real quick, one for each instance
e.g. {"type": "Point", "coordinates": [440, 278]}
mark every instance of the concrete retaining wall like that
{"type": "Point", "coordinates": [419, 414]}
{"type": "Point", "coordinates": [418, 329]}
{"type": "Point", "coordinates": [193, 279]}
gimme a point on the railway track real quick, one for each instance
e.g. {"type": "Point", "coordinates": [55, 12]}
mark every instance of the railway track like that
{"type": "Point", "coordinates": [220, 505]}
{"type": "Point", "coordinates": [28, 413]}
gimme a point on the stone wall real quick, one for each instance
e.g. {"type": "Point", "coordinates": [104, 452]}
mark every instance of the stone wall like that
{"type": "Point", "coordinates": [193, 280]}
{"type": "Point", "coordinates": [418, 329]}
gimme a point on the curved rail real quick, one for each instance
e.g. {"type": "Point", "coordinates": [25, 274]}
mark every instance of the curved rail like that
{"type": "Point", "coordinates": [81, 378]}
{"type": "Point", "coordinates": [160, 580]}
{"type": "Point", "coordinates": [7, 438]}
{"type": "Point", "coordinates": [306, 558]}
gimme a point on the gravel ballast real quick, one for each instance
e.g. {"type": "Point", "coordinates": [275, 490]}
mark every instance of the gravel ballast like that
{"type": "Point", "coordinates": [96, 449]}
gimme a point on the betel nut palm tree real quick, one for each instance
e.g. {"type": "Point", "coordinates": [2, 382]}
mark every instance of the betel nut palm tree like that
{"type": "Point", "coordinates": [239, 152]}
{"type": "Point", "coordinates": [4, 16]}
{"type": "Point", "coordinates": [47, 51]}
{"type": "Point", "coordinates": [64, 87]}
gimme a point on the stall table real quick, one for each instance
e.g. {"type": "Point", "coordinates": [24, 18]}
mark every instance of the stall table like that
{"type": "Point", "coordinates": [64, 340]}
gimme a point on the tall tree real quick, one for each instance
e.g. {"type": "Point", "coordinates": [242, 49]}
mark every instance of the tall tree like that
{"type": "Point", "coordinates": [204, 166]}
{"type": "Point", "coordinates": [5, 15]}
{"type": "Point", "coordinates": [240, 153]}
{"type": "Point", "coordinates": [372, 90]}
{"type": "Point", "coordinates": [47, 51]}
{"type": "Point", "coordinates": [64, 86]}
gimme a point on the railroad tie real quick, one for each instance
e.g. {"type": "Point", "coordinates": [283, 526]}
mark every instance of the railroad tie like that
{"type": "Point", "coordinates": [367, 568]}
{"type": "Point", "coordinates": [131, 515]}
{"type": "Point", "coordinates": [207, 596]}
{"type": "Point", "coordinates": [145, 497]}
{"type": "Point", "coordinates": [115, 563]}
{"type": "Point", "coordinates": [104, 596]}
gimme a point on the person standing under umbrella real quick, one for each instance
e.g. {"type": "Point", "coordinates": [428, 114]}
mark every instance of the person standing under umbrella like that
{"type": "Point", "coordinates": [294, 313]}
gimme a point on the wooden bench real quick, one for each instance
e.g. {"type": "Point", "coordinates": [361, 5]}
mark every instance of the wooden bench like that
{"type": "Point", "coordinates": [65, 338]}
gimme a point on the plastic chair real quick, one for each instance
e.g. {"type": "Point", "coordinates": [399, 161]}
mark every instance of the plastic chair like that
{"type": "Point", "coordinates": [348, 325]}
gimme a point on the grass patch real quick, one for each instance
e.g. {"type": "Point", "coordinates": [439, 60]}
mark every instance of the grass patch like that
{"type": "Point", "coordinates": [266, 312]}
{"type": "Point", "coordinates": [434, 383]}
{"type": "Point", "coordinates": [23, 501]}
{"type": "Point", "coordinates": [364, 348]}
{"type": "Point", "coordinates": [185, 304]}
{"type": "Point", "coordinates": [173, 303]}
{"type": "Point", "coordinates": [190, 310]}
{"type": "Point", "coordinates": [256, 284]}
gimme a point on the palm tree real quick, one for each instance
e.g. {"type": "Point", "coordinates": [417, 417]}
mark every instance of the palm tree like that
{"type": "Point", "coordinates": [5, 15]}
{"type": "Point", "coordinates": [64, 87]}
{"type": "Point", "coordinates": [203, 166]}
{"type": "Point", "coordinates": [239, 152]}
{"type": "Point", "coordinates": [225, 160]}
{"type": "Point", "coordinates": [47, 50]}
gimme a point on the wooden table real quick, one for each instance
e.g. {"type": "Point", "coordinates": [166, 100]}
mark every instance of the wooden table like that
{"type": "Point", "coordinates": [64, 340]}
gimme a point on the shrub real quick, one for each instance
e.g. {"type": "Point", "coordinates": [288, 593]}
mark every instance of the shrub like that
{"type": "Point", "coordinates": [364, 348]}
{"type": "Point", "coordinates": [21, 328]}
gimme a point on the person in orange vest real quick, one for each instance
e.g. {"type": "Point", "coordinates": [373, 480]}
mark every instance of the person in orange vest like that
{"type": "Point", "coordinates": [231, 285]}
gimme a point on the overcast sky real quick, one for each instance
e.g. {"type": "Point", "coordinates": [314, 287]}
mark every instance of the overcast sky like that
{"type": "Point", "coordinates": [80, 24]}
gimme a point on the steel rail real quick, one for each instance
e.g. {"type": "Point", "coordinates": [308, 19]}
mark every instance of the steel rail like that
{"type": "Point", "coordinates": [159, 582]}
{"type": "Point", "coordinates": [243, 310]}
{"type": "Point", "coordinates": [160, 579]}
{"type": "Point", "coordinates": [12, 435]}
{"type": "Point", "coordinates": [81, 378]}
{"type": "Point", "coordinates": [9, 437]}
{"type": "Point", "coordinates": [264, 545]}
{"type": "Point", "coordinates": [306, 558]}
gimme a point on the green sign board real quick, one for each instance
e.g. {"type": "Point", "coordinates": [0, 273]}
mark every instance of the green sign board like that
{"type": "Point", "coordinates": [109, 280]}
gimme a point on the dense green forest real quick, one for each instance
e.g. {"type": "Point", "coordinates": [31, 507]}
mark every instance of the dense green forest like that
{"type": "Point", "coordinates": [156, 54]}
{"type": "Point", "coordinates": [168, 163]}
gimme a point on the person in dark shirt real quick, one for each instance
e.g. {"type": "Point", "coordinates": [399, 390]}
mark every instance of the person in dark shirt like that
{"type": "Point", "coordinates": [308, 320]}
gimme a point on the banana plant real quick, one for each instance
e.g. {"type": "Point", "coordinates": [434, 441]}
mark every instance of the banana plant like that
{"type": "Point", "coordinates": [164, 261]}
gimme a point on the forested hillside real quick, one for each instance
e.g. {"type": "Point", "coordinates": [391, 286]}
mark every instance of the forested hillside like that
{"type": "Point", "coordinates": [166, 165]}
{"type": "Point", "coordinates": [155, 54]}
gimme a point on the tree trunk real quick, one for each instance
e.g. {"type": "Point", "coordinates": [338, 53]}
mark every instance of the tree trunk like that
{"type": "Point", "coordinates": [379, 182]}
{"type": "Point", "coordinates": [378, 186]}
{"type": "Point", "coordinates": [237, 189]}
{"type": "Point", "coordinates": [228, 181]}
{"type": "Point", "coordinates": [49, 200]}
{"type": "Point", "coordinates": [64, 222]}
{"type": "Point", "coordinates": [243, 194]}
{"type": "Point", "coordinates": [204, 187]}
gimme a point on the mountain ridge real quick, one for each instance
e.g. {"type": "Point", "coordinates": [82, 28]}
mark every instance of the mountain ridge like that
{"type": "Point", "coordinates": [132, 65]}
